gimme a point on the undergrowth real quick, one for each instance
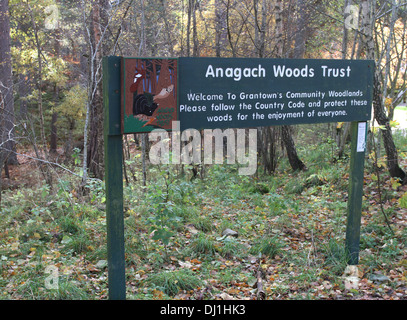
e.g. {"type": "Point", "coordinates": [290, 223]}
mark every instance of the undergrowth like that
{"type": "Point", "coordinates": [290, 225]}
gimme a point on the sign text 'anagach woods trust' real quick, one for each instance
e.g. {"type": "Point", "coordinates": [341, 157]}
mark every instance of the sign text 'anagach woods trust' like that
{"type": "Point", "coordinates": [278, 71]}
{"type": "Point", "coordinates": [239, 93]}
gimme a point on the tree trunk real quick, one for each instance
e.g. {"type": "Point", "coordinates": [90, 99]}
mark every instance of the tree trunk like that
{"type": "Point", "coordinates": [343, 132]}
{"type": "Point", "coordinates": [260, 28]}
{"type": "Point", "coordinates": [301, 32]}
{"type": "Point", "coordinates": [367, 44]}
{"type": "Point", "coordinates": [391, 151]}
{"type": "Point", "coordinates": [220, 28]}
{"type": "Point", "coordinates": [164, 15]}
{"type": "Point", "coordinates": [295, 161]}
{"type": "Point", "coordinates": [195, 52]}
{"type": "Point", "coordinates": [23, 91]}
{"type": "Point", "coordinates": [54, 130]}
{"type": "Point", "coordinates": [388, 49]}
{"type": "Point", "coordinates": [191, 6]}
{"type": "Point", "coordinates": [95, 157]}
{"type": "Point", "coordinates": [278, 29]}
{"type": "Point", "coordinates": [53, 138]}
{"type": "Point", "coordinates": [69, 142]}
{"type": "Point", "coordinates": [7, 142]}
{"type": "Point", "coordinates": [45, 170]}
{"type": "Point", "coordinates": [299, 50]}
{"type": "Point", "coordinates": [3, 154]}
{"type": "Point", "coordinates": [268, 138]}
{"type": "Point", "coordinates": [345, 30]}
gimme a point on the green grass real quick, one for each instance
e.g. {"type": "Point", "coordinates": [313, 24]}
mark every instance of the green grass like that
{"type": "Point", "coordinates": [401, 108]}
{"type": "Point", "coordinates": [172, 282]}
{"type": "Point", "coordinates": [203, 244]}
{"type": "Point", "coordinates": [232, 248]}
{"type": "Point", "coordinates": [290, 225]}
{"type": "Point", "coordinates": [268, 246]}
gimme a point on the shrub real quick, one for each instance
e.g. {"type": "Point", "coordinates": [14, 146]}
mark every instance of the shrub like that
{"type": "Point", "coordinates": [231, 248]}
{"type": "Point", "coordinates": [268, 246]}
{"type": "Point", "coordinates": [335, 256]}
{"type": "Point", "coordinates": [171, 282]}
{"type": "Point", "coordinates": [203, 244]}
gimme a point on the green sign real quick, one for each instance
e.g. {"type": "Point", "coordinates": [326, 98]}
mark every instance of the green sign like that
{"type": "Point", "coordinates": [203, 93]}
{"type": "Point", "coordinates": [241, 92]}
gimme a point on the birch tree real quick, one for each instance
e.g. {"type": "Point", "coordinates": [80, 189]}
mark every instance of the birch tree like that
{"type": "Point", "coordinates": [368, 45]}
{"type": "Point", "coordinates": [96, 25]}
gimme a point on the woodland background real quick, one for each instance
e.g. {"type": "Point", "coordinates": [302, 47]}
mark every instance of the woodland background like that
{"type": "Point", "coordinates": [289, 217]}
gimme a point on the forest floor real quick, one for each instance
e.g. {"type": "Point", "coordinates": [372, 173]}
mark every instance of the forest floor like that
{"type": "Point", "coordinates": [289, 233]}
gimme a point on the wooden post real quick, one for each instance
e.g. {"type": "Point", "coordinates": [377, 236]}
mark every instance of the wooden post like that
{"type": "Point", "coordinates": [357, 160]}
{"type": "Point", "coordinates": [114, 178]}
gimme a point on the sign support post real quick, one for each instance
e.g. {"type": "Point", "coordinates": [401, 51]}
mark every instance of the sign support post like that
{"type": "Point", "coordinates": [355, 193]}
{"type": "Point", "coordinates": [114, 178]}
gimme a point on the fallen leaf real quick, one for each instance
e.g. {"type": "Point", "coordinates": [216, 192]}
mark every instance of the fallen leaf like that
{"type": "Point", "coordinates": [225, 296]}
{"type": "Point", "coordinates": [234, 291]}
{"type": "Point", "coordinates": [185, 264]}
{"type": "Point", "coordinates": [351, 282]}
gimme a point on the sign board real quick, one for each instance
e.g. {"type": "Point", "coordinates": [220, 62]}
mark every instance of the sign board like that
{"type": "Point", "coordinates": [141, 94]}
{"type": "Point", "coordinates": [205, 93]}
{"type": "Point", "coordinates": [149, 94]}
{"type": "Point", "coordinates": [239, 93]}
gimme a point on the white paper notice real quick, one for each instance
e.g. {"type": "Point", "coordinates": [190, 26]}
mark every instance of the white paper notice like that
{"type": "Point", "coordinates": [361, 137]}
